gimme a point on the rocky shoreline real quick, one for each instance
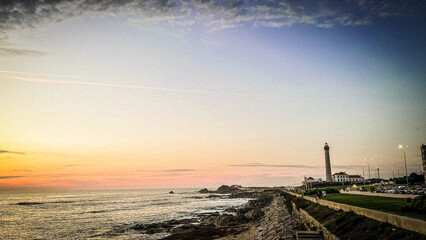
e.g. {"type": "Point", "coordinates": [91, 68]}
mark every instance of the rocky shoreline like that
{"type": "Point", "coordinates": [265, 216]}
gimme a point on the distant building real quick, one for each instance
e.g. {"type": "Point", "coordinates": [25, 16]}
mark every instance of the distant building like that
{"type": "Point", "coordinates": [341, 177]}
{"type": "Point", "coordinates": [344, 177]}
{"type": "Point", "coordinates": [355, 178]}
{"type": "Point", "coordinates": [423, 150]}
{"type": "Point", "coordinates": [309, 182]}
{"type": "Point", "coordinates": [310, 179]}
{"type": "Point", "coordinates": [328, 177]}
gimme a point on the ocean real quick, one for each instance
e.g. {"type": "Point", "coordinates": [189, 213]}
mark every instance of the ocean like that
{"type": "Point", "coordinates": [106, 214]}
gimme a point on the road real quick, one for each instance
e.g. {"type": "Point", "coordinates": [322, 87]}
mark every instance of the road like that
{"type": "Point", "coordinates": [380, 194]}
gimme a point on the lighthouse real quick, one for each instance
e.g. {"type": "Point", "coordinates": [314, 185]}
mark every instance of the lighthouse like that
{"type": "Point", "coordinates": [328, 177]}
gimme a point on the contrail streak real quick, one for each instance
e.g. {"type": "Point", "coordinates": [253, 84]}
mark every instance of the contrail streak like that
{"type": "Point", "coordinates": [37, 74]}
{"type": "Point", "coordinates": [104, 84]}
{"type": "Point", "coordinates": [43, 80]}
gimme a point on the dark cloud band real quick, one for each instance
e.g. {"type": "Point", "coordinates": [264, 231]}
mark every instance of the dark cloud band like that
{"type": "Point", "coordinates": [9, 152]}
{"type": "Point", "coordinates": [9, 177]}
{"type": "Point", "coordinates": [211, 14]}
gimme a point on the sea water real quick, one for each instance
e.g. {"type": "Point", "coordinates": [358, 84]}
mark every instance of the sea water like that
{"type": "Point", "coordinates": [99, 214]}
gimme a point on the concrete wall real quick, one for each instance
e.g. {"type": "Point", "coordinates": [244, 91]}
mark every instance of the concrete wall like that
{"type": "Point", "coordinates": [313, 222]}
{"type": "Point", "coordinates": [412, 224]}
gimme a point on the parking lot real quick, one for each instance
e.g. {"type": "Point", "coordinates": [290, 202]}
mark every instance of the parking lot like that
{"type": "Point", "coordinates": [392, 191]}
{"type": "Point", "coordinates": [414, 190]}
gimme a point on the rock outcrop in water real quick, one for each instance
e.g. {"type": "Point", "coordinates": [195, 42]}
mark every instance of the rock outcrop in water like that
{"type": "Point", "coordinates": [224, 189]}
{"type": "Point", "coordinates": [204, 190]}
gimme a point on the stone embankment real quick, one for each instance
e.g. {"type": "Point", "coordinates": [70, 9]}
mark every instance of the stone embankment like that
{"type": "Point", "coordinates": [339, 224]}
{"type": "Point", "coordinates": [411, 224]}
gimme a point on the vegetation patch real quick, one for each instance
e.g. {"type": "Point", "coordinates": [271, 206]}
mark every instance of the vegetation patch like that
{"type": "Point", "coordinates": [327, 190]}
{"type": "Point", "coordinates": [397, 206]}
{"type": "Point", "coordinates": [416, 205]}
{"type": "Point", "coordinates": [348, 225]}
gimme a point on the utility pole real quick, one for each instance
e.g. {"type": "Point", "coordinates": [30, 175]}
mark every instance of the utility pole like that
{"type": "Point", "coordinates": [368, 164]}
{"type": "Point", "coordinates": [363, 175]}
{"type": "Point", "coordinates": [405, 161]}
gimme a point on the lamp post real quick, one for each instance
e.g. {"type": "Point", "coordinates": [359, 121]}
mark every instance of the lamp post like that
{"type": "Point", "coordinates": [377, 169]}
{"type": "Point", "coordinates": [368, 164]}
{"type": "Point", "coordinates": [405, 161]}
{"type": "Point", "coordinates": [393, 173]}
{"type": "Point", "coordinates": [363, 174]}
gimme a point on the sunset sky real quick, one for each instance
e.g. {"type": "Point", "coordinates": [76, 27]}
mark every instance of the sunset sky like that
{"type": "Point", "coordinates": [165, 94]}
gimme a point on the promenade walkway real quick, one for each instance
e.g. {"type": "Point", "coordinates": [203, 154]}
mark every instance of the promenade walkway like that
{"type": "Point", "coordinates": [380, 194]}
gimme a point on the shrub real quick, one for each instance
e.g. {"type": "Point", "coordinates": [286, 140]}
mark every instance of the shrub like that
{"type": "Point", "coordinates": [327, 190]}
{"type": "Point", "coordinates": [417, 204]}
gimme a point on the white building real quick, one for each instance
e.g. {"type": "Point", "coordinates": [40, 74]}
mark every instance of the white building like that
{"type": "Point", "coordinates": [355, 178]}
{"type": "Point", "coordinates": [344, 177]}
{"type": "Point", "coordinates": [341, 177]}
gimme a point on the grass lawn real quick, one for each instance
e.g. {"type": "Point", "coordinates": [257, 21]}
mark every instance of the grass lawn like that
{"type": "Point", "coordinates": [385, 204]}
{"type": "Point", "coordinates": [339, 187]}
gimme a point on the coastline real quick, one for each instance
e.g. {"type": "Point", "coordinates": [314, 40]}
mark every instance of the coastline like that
{"type": "Point", "coordinates": [263, 217]}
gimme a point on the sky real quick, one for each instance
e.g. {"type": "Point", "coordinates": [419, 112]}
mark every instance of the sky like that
{"type": "Point", "coordinates": [101, 94]}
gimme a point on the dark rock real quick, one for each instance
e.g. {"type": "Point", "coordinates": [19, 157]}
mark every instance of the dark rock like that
{"type": "Point", "coordinates": [185, 229]}
{"type": "Point", "coordinates": [29, 203]}
{"type": "Point", "coordinates": [215, 214]}
{"type": "Point", "coordinates": [224, 220]}
{"type": "Point", "coordinates": [246, 195]}
{"type": "Point", "coordinates": [162, 226]}
{"type": "Point", "coordinates": [254, 214]}
{"type": "Point", "coordinates": [225, 189]}
{"type": "Point", "coordinates": [171, 192]}
{"type": "Point", "coordinates": [215, 196]}
{"type": "Point", "coordinates": [204, 190]}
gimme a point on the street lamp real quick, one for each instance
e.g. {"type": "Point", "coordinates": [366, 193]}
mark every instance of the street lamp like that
{"type": "Point", "coordinates": [363, 174]}
{"type": "Point", "coordinates": [368, 164]}
{"type": "Point", "coordinates": [393, 173]}
{"type": "Point", "coordinates": [377, 169]}
{"type": "Point", "coordinates": [405, 161]}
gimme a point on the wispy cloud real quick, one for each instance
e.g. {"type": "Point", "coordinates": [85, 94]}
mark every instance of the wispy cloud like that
{"type": "Point", "coordinates": [70, 165]}
{"type": "Point", "coordinates": [292, 166]}
{"type": "Point", "coordinates": [168, 170]}
{"type": "Point", "coordinates": [115, 85]}
{"type": "Point", "coordinates": [36, 74]}
{"type": "Point", "coordinates": [346, 166]}
{"type": "Point", "coordinates": [20, 52]}
{"type": "Point", "coordinates": [10, 152]}
{"type": "Point", "coordinates": [44, 80]}
{"type": "Point", "coordinates": [272, 165]}
{"type": "Point", "coordinates": [179, 170]}
{"type": "Point", "coordinates": [8, 177]}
